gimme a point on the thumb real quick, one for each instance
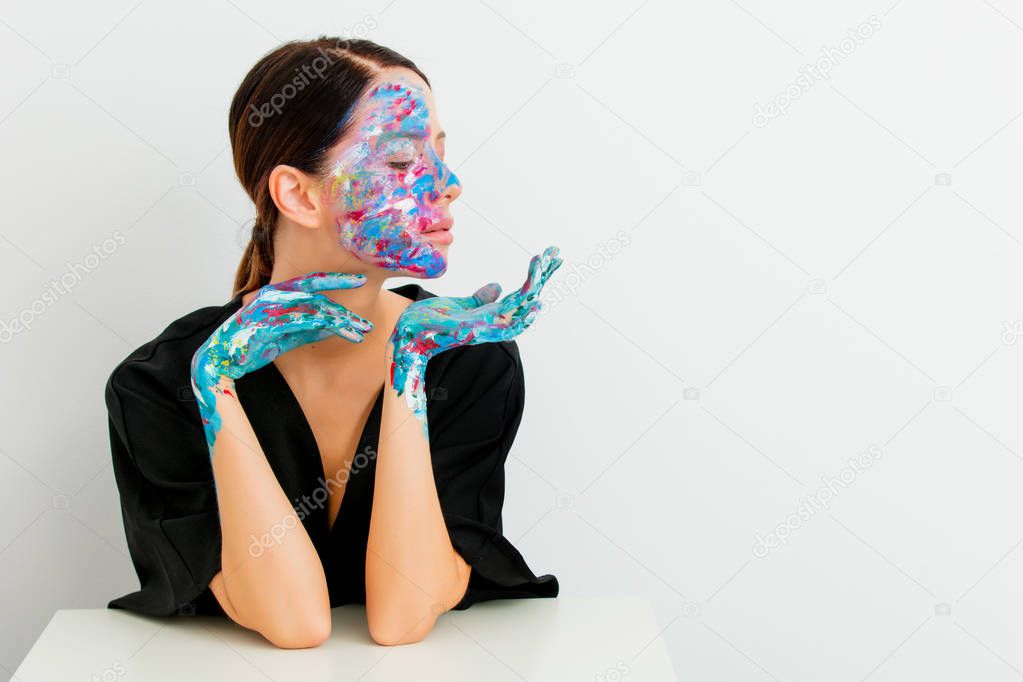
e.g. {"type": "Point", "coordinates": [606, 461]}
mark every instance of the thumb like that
{"type": "Point", "coordinates": [488, 293]}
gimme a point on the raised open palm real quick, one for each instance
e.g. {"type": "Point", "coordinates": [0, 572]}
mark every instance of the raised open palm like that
{"type": "Point", "coordinates": [434, 325]}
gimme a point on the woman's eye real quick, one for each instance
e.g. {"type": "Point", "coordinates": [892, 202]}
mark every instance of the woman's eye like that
{"type": "Point", "coordinates": [400, 165]}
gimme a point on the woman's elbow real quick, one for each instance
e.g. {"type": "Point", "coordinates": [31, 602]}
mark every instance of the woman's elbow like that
{"type": "Point", "coordinates": [298, 633]}
{"type": "Point", "coordinates": [284, 624]}
{"type": "Point", "coordinates": [399, 628]}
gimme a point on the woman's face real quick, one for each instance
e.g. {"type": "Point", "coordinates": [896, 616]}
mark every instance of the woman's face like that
{"type": "Point", "coordinates": [388, 189]}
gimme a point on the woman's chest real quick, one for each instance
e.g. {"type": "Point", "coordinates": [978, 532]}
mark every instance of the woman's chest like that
{"type": "Point", "coordinates": [337, 427]}
{"type": "Point", "coordinates": [337, 420]}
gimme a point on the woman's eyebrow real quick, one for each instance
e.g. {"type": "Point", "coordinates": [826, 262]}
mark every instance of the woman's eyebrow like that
{"type": "Point", "coordinates": [391, 134]}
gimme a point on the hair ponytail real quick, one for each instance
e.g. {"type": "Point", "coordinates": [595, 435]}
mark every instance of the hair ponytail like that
{"type": "Point", "coordinates": [257, 262]}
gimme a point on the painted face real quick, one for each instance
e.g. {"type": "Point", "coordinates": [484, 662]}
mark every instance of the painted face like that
{"type": "Point", "coordinates": [386, 185]}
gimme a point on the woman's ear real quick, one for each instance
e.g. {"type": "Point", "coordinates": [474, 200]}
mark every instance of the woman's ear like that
{"type": "Point", "coordinates": [296, 195]}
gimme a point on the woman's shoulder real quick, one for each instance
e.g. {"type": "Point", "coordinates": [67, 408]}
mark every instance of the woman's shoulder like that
{"type": "Point", "coordinates": [477, 362]}
{"type": "Point", "coordinates": [164, 362]}
{"type": "Point", "coordinates": [475, 391]}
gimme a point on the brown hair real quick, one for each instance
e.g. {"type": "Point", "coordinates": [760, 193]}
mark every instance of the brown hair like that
{"type": "Point", "coordinates": [292, 106]}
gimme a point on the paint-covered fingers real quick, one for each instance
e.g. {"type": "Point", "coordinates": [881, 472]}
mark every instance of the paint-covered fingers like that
{"type": "Point", "coordinates": [522, 319]}
{"type": "Point", "coordinates": [350, 326]}
{"type": "Point", "coordinates": [341, 317]}
{"type": "Point", "coordinates": [317, 311]}
{"type": "Point", "coordinates": [488, 293]}
{"type": "Point", "coordinates": [316, 320]}
{"type": "Point", "coordinates": [453, 305]}
{"type": "Point", "coordinates": [551, 261]}
{"type": "Point", "coordinates": [541, 267]}
{"type": "Point", "coordinates": [530, 316]}
{"type": "Point", "coordinates": [342, 321]}
{"type": "Point", "coordinates": [540, 270]}
{"type": "Point", "coordinates": [532, 276]}
{"type": "Point", "coordinates": [285, 342]}
{"type": "Point", "coordinates": [529, 305]}
{"type": "Point", "coordinates": [315, 282]}
{"type": "Point", "coordinates": [548, 263]}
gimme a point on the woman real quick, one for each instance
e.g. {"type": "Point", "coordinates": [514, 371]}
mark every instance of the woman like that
{"type": "Point", "coordinates": [319, 439]}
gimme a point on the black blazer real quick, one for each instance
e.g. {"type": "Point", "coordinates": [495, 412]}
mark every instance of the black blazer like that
{"type": "Point", "coordinates": [475, 397]}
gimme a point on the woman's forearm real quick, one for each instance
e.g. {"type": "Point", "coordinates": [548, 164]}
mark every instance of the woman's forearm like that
{"type": "Point", "coordinates": [271, 577]}
{"type": "Point", "coordinates": [413, 574]}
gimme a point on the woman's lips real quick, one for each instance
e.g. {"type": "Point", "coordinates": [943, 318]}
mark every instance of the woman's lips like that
{"type": "Point", "coordinates": [441, 225]}
{"type": "Point", "coordinates": [439, 236]}
{"type": "Point", "coordinates": [440, 231]}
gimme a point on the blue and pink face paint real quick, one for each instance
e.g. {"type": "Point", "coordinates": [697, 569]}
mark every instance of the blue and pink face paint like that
{"type": "Point", "coordinates": [386, 185]}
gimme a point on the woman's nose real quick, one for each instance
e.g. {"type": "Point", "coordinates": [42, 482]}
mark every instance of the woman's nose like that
{"type": "Point", "coordinates": [451, 186]}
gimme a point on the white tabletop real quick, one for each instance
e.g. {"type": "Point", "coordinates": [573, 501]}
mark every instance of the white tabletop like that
{"type": "Point", "coordinates": [562, 639]}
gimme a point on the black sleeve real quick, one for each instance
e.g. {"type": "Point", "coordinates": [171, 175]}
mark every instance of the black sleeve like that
{"type": "Point", "coordinates": [165, 479]}
{"type": "Point", "coordinates": [475, 404]}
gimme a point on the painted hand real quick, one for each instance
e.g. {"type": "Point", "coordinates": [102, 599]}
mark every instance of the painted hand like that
{"type": "Point", "coordinates": [434, 325]}
{"type": "Point", "coordinates": [282, 316]}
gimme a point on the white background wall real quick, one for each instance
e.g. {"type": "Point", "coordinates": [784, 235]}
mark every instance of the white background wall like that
{"type": "Point", "coordinates": [794, 291]}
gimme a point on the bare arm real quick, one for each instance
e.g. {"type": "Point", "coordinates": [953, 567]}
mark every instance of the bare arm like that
{"type": "Point", "coordinates": [413, 574]}
{"type": "Point", "coordinates": [271, 579]}
{"type": "Point", "coordinates": [275, 585]}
